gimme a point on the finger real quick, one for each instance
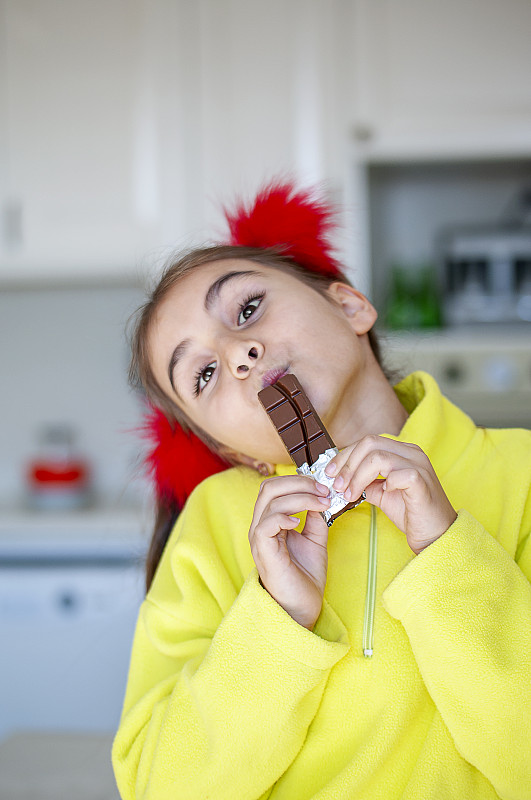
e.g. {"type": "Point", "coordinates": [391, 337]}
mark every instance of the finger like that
{"type": "Point", "coordinates": [374, 492]}
{"type": "Point", "coordinates": [349, 455]}
{"type": "Point", "coordinates": [408, 480]}
{"type": "Point", "coordinates": [377, 464]}
{"type": "Point", "coordinates": [270, 534]}
{"type": "Point", "coordinates": [270, 537]}
{"type": "Point", "coordinates": [288, 483]}
{"type": "Point", "coordinates": [287, 505]}
{"type": "Point", "coordinates": [369, 444]}
{"type": "Point", "coordinates": [335, 464]}
{"type": "Point", "coordinates": [285, 485]}
{"type": "Point", "coordinates": [295, 503]}
{"type": "Point", "coordinates": [271, 526]}
{"type": "Point", "coordinates": [347, 461]}
{"type": "Point", "coordinates": [315, 528]}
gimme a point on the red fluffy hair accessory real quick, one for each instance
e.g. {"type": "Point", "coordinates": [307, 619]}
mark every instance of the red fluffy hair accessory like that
{"type": "Point", "coordinates": [176, 461]}
{"type": "Point", "coordinates": [296, 223]}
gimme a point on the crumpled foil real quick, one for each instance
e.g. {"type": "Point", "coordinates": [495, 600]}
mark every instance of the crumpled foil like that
{"type": "Point", "coordinates": [317, 471]}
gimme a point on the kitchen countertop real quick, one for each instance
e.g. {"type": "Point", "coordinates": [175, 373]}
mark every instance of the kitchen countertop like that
{"type": "Point", "coordinates": [53, 766]}
{"type": "Point", "coordinates": [468, 337]}
{"type": "Point", "coordinates": [93, 532]}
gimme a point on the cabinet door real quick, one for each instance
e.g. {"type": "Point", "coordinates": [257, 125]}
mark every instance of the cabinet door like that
{"type": "Point", "coordinates": [443, 78]}
{"type": "Point", "coordinates": [78, 195]}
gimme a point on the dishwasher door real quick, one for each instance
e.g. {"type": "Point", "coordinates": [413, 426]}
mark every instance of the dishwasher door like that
{"type": "Point", "coordinates": [66, 629]}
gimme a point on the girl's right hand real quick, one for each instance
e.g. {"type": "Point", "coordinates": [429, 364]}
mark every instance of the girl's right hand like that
{"type": "Point", "coordinates": [292, 565]}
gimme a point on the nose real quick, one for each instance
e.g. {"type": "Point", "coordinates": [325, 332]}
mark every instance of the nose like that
{"type": "Point", "coordinates": [243, 357]}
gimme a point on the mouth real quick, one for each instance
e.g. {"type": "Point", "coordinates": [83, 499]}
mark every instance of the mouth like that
{"type": "Point", "coordinates": [273, 375]}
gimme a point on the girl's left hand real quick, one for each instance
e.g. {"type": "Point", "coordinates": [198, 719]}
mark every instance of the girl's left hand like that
{"type": "Point", "coordinates": [408, 491]}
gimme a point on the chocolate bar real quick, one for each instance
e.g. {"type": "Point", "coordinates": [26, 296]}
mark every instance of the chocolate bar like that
{"type": "Point", "coordinates": [296, 420]}
{"type": "Point", "coordinates": [302, 432]}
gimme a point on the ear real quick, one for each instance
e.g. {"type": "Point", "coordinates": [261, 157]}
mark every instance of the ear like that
{"type": "Point", "coordinates": [263, 467]}
{"type": "Point", "coordinates": [361, 313]}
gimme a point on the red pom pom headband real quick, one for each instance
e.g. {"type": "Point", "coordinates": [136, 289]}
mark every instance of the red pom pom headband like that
{"type": "Point", "coordinates": [295, 221]}
{"type": "Point", "coordinates": [298, 224]}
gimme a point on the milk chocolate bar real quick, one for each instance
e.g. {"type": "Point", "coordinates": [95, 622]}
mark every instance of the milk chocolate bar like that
{"type": "Point", "coordinates": [299, 426]}
{"type": "Point", "coordinates": [296, 420]}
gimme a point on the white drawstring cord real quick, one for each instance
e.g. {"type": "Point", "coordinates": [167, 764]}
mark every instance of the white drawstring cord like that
{"type": "Point", "coordinates": [370, 597]}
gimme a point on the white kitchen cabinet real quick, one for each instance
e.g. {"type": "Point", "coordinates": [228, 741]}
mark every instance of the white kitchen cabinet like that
{"type": "Point", "coordinates": [441, 79]}
{"type": "Point", "coordinates": [77, 149]}
{"type": "Point", "coordinates": [272, 99]}
{"type": "Point", "coordinates": [71, 585]}
{"type": "Point", "coordinates": [125, 124]}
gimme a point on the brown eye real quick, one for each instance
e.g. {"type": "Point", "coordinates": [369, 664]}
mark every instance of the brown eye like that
{"type": "Point", "coordinates": [207, 374]}
{"type": "Point", "coordinates": [248, 308]}
{"type": "Point", "coordinates": [203, 377]}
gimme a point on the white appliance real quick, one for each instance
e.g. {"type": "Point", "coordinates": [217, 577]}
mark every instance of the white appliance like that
{"type": "Point", "coordinates": [70, 589]}
{"type": "Point", "coordinates": [487, 274]}
{"type": "Point", "coordinates": [485, 370]}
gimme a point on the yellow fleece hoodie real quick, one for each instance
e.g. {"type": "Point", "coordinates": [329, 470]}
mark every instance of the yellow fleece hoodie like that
{"type": "Point", "coordinates": [229, 699]}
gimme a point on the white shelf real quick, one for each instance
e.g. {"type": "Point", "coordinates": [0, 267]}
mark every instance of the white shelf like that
{"type": "Point", "coordinates": [91, 533]}
{"type": "Point", "coordinates": [494, 338]}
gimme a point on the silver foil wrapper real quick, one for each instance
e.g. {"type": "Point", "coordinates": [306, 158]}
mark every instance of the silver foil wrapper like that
{"type": "Point", "coordinates": [317, 471]}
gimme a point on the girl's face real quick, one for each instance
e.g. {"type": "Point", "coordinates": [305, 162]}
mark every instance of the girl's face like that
{"type": "Point", "coordinates": [231, 327]}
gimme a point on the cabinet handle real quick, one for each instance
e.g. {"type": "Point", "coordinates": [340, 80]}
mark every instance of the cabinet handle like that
{"type": "Point", "coordinates": [363, 132]}
{"type": "Point", "coordinates": [12, 223]}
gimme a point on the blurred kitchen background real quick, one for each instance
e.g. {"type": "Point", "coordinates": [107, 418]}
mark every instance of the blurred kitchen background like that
{"type": "Point", "coordinates": [124, 125]}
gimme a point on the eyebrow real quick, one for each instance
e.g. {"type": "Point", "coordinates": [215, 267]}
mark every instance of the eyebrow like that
{"type": "Point", "coordinates": [211, 297]}
{"type": "Point", "coordinates": [177, 354]}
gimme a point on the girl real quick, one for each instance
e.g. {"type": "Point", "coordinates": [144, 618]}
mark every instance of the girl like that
{"type": "Point", "coordinates": [248, 677]}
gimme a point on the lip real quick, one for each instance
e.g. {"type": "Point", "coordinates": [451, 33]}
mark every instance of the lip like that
{"type": "Point", "coordinates": [273, 375]}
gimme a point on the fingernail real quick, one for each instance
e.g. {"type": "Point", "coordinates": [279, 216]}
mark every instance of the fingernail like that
{"type": "Point", "coordinates": [295, 520]}
{"type": "Point", "coordinates": [324, 500]}
{"type": "Point", "coordinates": [339, 483]}
{"type": "Point", "coordinates": [322, 488]}
{"type": "Point", "coordinates": [347, 494]}
{"type": "Point", "coordinates": [331, 469]}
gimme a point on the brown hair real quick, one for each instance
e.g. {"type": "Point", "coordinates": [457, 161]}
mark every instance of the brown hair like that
{"type": "Point", "coordinates": [141, 374]}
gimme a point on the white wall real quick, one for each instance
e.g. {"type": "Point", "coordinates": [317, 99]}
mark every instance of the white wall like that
{"type": "Point", "coordinates": [64, 359]}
